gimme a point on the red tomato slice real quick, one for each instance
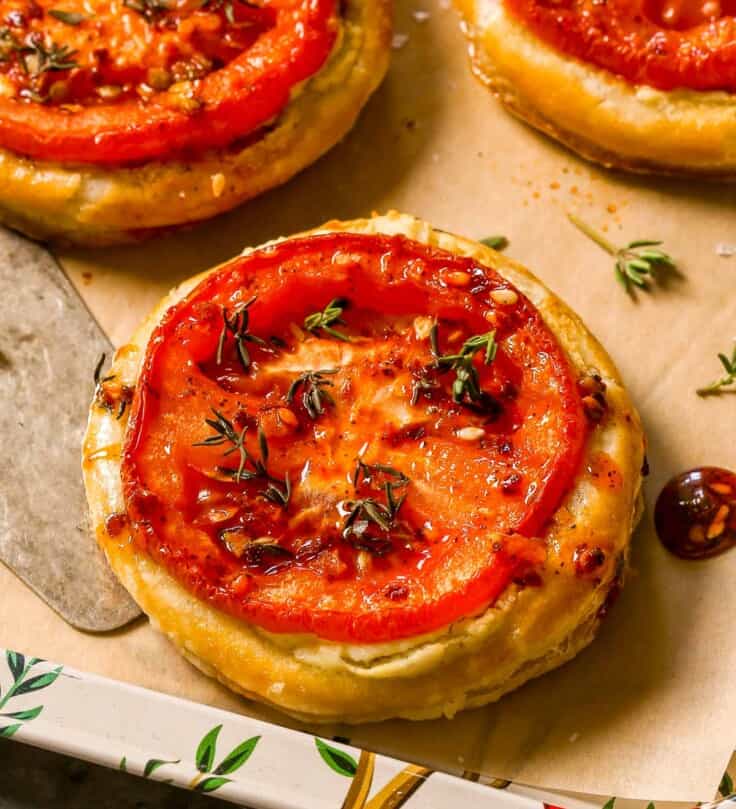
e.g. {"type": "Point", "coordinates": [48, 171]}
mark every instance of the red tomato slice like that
{"type": "Point", "coordinates": [444, 511]}
{"type": "Point", "coordinates": [661, 43]}
{"type": "Point", "coordinates": [144, 79]}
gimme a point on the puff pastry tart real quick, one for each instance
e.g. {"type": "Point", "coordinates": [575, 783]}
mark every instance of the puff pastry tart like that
{"type": "Point", "coordinates": [120, 118]}
{"type": "Point", "coordinates": [641, 85]}
{"type": "Point", "coordinates": [374, 470]}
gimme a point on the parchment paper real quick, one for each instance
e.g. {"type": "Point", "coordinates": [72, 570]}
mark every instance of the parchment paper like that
{"type": "Point", "coordinates": [648, 710]}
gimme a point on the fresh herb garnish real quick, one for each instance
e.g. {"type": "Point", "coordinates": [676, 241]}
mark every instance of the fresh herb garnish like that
{"type": "Point", "coordinates": [327, 318]}
{"type": "Point", "coordinates": [729, 378]}
{"type": "Point", "coordinates": [237, 325]}
{"type": "Point", "coordinates": [67, 17]}
{"type": "Point", "coordinates": [314, 394]}
{"type": "Point", "coordinates": [467, 383]}
{"type": "Point", "coordinates": [368, 510]}
{"type": "Point", "coordinates": [227, 6]}
{"type": "Point", "coordinates": [366, 472]}
{"type": "Point", "coordinates": [249, 468]}
{"type": "Point", "coordinates": [150, 10]}
{"type": "Point", "coordinates": [636, 264]}
{"type": "Point", "coordinates": [253, 551]}
{"type": "Point", "coordinates": [495, 242]}
{"type": "Point", "coordinates": [38, 57]}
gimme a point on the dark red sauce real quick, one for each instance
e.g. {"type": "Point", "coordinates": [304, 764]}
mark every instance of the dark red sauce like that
{"type": "Point", "coordinates": [695, 514]}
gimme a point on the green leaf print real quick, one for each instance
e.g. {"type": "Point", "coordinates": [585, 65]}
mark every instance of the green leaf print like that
{"type": "Point", "coordinates": [38, 682]}
{"type": "Point", "coordinates": [123, 766]}
{"type": "Point", "coordinates": [211, 784]}
{"type": "Point", "coordinates": [7, 732]}
{"type": "Point", "coordinates": [205, 755]}
{"type": "Point", "coordinates": [154, 763]}
{"type": "Point", "coordinates": [31, 713]}
{"type": "Point", "coordinates": [235, 760]}
{"type": "Point", "coordinates": [609, 804]}
{"type": "Point", "coordinates": [726, 785]}
{"type": "Point", "coordinates": [16, 664]}
{"type": "Point", "coordinates": [339, 761]}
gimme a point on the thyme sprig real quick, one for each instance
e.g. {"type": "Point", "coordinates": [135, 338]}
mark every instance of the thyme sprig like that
{"type": "Point", "coordinates": [368, 510]}
{"type": "Point", "coordinates": [227, 7]}
{"type": "Point", "coordinates": [249, 467]}
{"type": "Point", "coordinates": [330, 316]}
{"type": "Point", "coordinates": [636, 264]}
{"type": "Point", "coordinates": [314, 394]}
{"type": "Point", "coordinates": [729, 378]}
{"type": "Point", "coordinates": [467, 383]}
{"type": "Point", "coordinates": [37, 56]}
{"type": "Point", "coordinates": [237, 324]}
{"type": "Point", "coordinates": [366, 472]}
{"type": "Point", "coordinates": [150, 10]}
{"type": "Point", "coordinates": [495, 242]}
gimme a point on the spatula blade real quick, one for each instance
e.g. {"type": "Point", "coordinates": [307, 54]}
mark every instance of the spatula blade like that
{"type": "Point", "coordinates": [49, 343]}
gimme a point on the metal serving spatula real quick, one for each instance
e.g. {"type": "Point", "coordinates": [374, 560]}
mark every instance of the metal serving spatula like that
{"type": "Point", "coordinates": [49, 343]}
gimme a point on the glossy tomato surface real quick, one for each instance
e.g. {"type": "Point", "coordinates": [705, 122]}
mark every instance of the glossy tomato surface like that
{"type": "Point", "coordinates": [355, 436]}
{"type": "Point", "coordinates": [666, 44]}
{"type": "Point", "coordinates": [121, 81]}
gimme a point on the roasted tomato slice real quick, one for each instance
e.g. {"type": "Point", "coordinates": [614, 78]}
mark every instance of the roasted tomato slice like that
{"type": "Point", "coordinates": [661, 43]}
{"type": "Point", "coordinates": [355, 436]}
{"type": "Point", "coordinates": [109, 81]}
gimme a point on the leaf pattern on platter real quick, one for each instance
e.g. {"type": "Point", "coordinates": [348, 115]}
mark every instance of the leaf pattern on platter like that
{"type": "Point", "coordinates": [237, 757]}
{"type": "Point", "coordinates": [211, 783]}
{"type": "Point", "coordinates": [23, 682]}
{"type": "Point", "coordinates": [725, 788]}
{"type": "Point", "coordinates": [16, 664]}
{"type": "Point", "coordinates": [208, 778]}
{"type": "Point", "coordinates": [205, 755]}
{"type": "Point", "coordinates": [338, 760]}
{"type": "Point", "coordinates": [26, 715]}
{"type": "Point", "coordinates": [153, 764]}
{"type": "Point", "coordinates": [38, 682]}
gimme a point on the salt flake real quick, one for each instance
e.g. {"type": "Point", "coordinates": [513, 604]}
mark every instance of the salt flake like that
{"type": "Point", "coordinates": [725, 250]}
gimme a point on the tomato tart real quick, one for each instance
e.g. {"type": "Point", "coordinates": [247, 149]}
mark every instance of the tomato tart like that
{"type": "Point", "coordinates": [123, 118]}
{"type": "Point", "coordinates": [370, 471]}
{"type": "Point", "coordinates": [639, 85]}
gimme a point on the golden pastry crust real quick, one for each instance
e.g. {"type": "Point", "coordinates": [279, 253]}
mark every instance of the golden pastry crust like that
{"type": "Point", "coordinates": [598, 115]}
{"type": "Point", "coordinates": [472, 662]}
{"type": "Point", "coordinates": [96, 205]}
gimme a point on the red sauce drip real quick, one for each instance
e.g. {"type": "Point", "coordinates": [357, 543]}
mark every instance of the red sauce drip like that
{"type": "Point", "coordinates": [660, 43]}
{"type": "Point", "coordinates": [695, 514]}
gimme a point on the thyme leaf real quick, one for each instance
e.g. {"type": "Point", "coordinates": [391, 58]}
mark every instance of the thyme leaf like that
{"type": "Point", "coordinates": [495, 242]}
{"type": "Point", "coordinates": [38, 56]}
{"type": "Point", "coordinates": [67, 17]}
{"type": "Point", "coordinates": [467, 383]}
{"type": "Point", "coordinates": [150, 10]}
{"type": "Point", "coordinates": [330, 316]}
{"type": "Point", "coordinates": [237, 324]}
{"type": "Point", "coordinates": [636, 264]}
{"type": "Point", "coordinates": [367, 510]}
{"type": "Point", "coordinates": [314, 394]}
{"type": "Point", "coordinates": [729, 378]}
{"type": "Point", "coordinates": [249, 467]}
{"type": "Point", "coordinates": [226, 6]}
